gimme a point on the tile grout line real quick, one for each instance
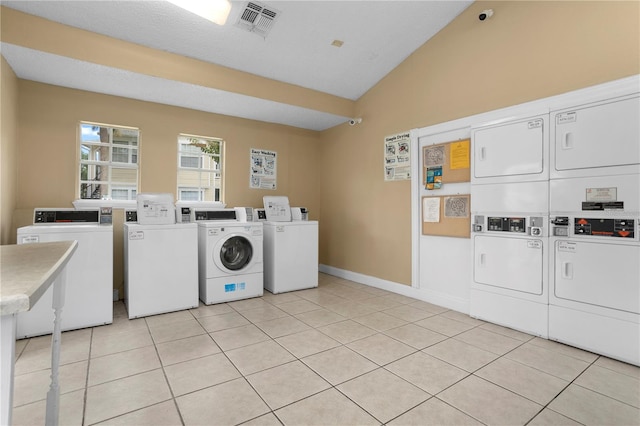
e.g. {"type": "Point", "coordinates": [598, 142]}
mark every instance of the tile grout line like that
{"type": "Point", "coordinates": [86, 381]}
{"type": "Point", "coordinates": [546, 406]}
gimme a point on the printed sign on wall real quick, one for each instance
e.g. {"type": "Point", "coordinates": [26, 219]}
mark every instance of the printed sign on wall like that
{"type": "Point", "coordinates": [397, 157]}
{"type": "Point", "coordinates": [263, 171]}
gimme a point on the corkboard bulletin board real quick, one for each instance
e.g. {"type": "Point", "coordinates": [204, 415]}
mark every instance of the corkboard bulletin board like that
{"type": "Point", "coordinates": [453, 215]}
{"type": "Point", "coordinates": [454, 158]}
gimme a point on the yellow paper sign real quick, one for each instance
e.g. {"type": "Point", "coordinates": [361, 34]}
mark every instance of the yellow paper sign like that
{"type": "Point", "coordinates": [460, 158]}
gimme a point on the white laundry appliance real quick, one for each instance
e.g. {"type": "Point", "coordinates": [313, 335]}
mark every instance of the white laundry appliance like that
{"type": "Point", "coordinates": [595, 237]}
{"type": "Point", "coordinates": [160, 268]}
{"type": "Point", "coordinates": [597, 139]}
{"type": "Point", "coordinates": [230, 256]}
{"type": "Point", "coordinates": [510, 207]}
{"type": "Point", "coordinates": [160, 261]}
{"type": "Point", "coordinates": [88, 296]}
{"type": "Point", "coordinates": [512, 150]}
{"type": "Point", "coordinates": [290, 248]}
{"type": "Point", "coordinates": [185, 210]}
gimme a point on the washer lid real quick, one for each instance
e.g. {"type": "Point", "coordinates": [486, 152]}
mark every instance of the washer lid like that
{"type": "Point", "coordinates": [277, 209]}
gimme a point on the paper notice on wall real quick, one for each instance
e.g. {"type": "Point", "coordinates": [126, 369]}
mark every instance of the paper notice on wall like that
{"type": "Point", "coordinates": [456, 206]}
{"type": "Point", "coordinates": [263, 171]}
{"type": "Point", "coordinates": [433, 156]}
{"type": "Point", "coordinates": [397, 157]}
{"type": "Point", "coordinates": [460, 158]}
{"type": "Point", "coordinates": [431, 209]}
{"type": "Point", "coordinates": [433, 178]}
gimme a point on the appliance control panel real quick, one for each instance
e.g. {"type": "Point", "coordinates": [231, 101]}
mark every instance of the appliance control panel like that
{"type": "Point", "coordinates": [106, 216]}
{"type": "Point", "coordinates": [604, 227]}
{"type": "Point", "coordinates": [299, 213]}
{"type": "Point", "coordinates": [218, 214]}
{"type": "Point", "coordinates": [65, 216]}
{"type": "Point", "coordinates": [183, 215]}
{"type": "Point", "coordinates": [526, 225]}
{"type": "Point", "coordinates": [249, 213]}
{"type": "Point", "coordinates": [259, 215]}
{"type": "Point", "coordinates": [560, 226]}
{"type": "Point", "coordinates": [506, 224]}
{"type": "Point", "coordinates": [130, 216]}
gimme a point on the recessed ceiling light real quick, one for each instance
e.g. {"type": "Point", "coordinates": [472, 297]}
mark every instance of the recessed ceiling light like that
{"type": "Point", "coordinates": [216, 11]}
{"type": "Point", "coordinates": [337, 43]}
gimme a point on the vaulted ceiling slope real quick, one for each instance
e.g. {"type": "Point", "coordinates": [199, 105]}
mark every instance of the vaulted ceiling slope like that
{"type": "Point", "coordinates": [155, 51]}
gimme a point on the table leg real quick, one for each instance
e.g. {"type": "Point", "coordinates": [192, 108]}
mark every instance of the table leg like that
{"type": "Point", "coordinates": [7, 362]}
{"type": "Point", "coordinates": [53, 396]}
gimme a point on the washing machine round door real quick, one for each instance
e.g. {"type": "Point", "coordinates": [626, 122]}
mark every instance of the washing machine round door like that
{"type": "Point", "coordinates": [236, 253]}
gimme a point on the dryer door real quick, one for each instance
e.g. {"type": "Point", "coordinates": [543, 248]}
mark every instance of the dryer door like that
{"type": "Point", "coordinates": [598, 274]}
{"type": "Point", "coordinates": [510, 152]}
{"type": "Point", "coordinates": [233, 253]}
{"type": "Point", "coordinates": [604, 135]}
{"type": "Point", "coordinates": [509, 263]}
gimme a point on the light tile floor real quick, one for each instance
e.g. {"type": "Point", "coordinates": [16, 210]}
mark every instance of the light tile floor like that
{"type": "Point", "coordinates": [341, 354]}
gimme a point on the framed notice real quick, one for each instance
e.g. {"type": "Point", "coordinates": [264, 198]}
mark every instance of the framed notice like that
{"type": "Point", "coordinates": [263, 169]}
{"type": "Point", "coordinates": [397, 157]}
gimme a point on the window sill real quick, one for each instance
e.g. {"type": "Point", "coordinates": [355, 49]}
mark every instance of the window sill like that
{"type": "Point", "coordinates": [115, 204]}
{"type": "Point", "coordinates": [201, 204]}
{"type": "Point", "coordinates": [132, 204]}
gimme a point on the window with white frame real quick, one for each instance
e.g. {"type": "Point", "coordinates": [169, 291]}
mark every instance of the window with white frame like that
{"type": "Point", "coordinates": [199, 168]}
{"type": "Point", "coordinates": [108, 162]}
{"type": "Point", "coordinates": [191, 194]}
{"type": "Point", "coordinates": [123, 193]}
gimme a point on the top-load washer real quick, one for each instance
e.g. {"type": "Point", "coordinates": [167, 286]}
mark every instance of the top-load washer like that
{"type": "Point", "coordinates": [290, 248]}
{"type": "Point", "coordinates": [160, 259]}
{"type": "Point", "coordinates": [230, 255]}
{"type": "Point", "coordinates": [88, 296]}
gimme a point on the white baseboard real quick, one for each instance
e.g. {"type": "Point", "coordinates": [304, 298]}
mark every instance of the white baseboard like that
{"type": "Point", "coordinates": [440, 299]}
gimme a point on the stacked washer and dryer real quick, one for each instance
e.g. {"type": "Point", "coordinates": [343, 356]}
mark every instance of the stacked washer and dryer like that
{"type": "Point", "coordinates": [510, 208]}
{"type": "Point", "coordinates": [595, 216]}
{"type": "Point", "coordinates": [556, 221]}
{"type": "Point", "coordinates": [88, 295]}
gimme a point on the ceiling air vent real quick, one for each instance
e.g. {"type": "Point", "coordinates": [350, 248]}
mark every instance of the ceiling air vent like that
{"type": "Point", "coordinates": [257, 18]}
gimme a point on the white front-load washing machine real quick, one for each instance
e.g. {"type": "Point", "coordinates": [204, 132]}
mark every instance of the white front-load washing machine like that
{"type": "Point", "coordinates": [230, 260]}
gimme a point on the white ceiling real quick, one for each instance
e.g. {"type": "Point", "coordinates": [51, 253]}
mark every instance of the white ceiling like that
{"type": "Point", "coordinates": [377, 36]}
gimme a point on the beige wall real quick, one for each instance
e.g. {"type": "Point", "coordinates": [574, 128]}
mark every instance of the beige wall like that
{"type": "Point", "coordinates": [48, 117]}
{"type": "Point", "coordinates": [8, 150]}
{"type": "Point", "coordinates": [526, 51]}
